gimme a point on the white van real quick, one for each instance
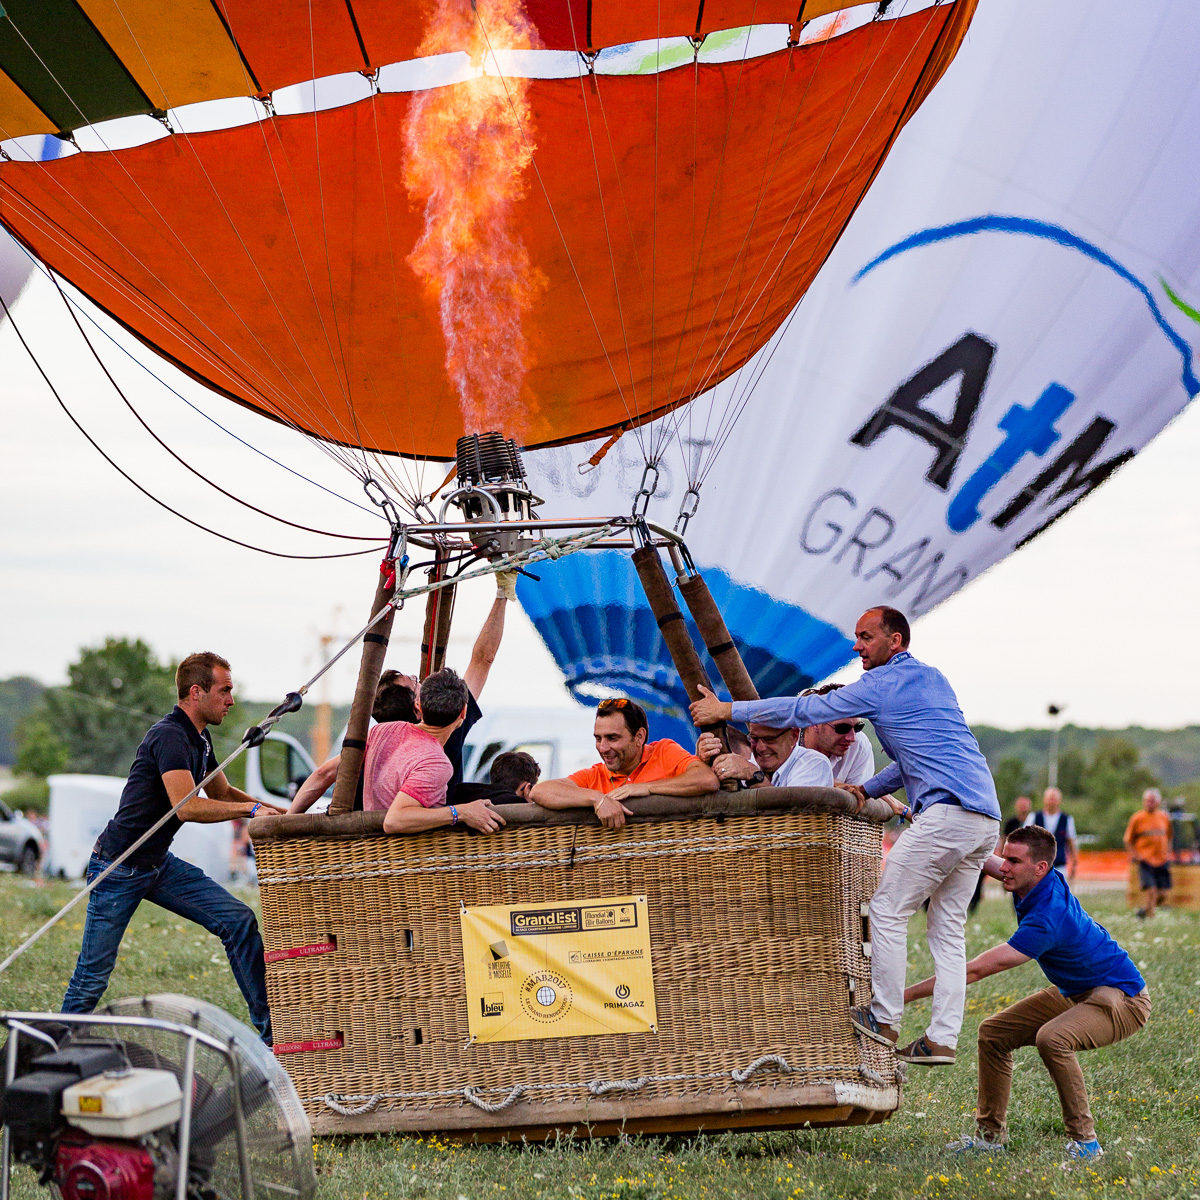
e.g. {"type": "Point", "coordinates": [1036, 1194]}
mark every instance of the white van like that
{"type": "Point", "coordinates": [82, 805]}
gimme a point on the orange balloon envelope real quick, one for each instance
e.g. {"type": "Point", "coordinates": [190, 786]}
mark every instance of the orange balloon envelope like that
{"type": "Point", "coordinates": [672, 220]}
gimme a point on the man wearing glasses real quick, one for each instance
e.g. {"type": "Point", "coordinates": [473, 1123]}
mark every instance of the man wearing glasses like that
{"type": "Point", "coordinates": [817, 756]}
{"type": "Point", "coordinates": [630, 766]}
{"type": "Point", "coordinates": [780, 758]}
{"type": "Point", "coordinates": [955, 815]}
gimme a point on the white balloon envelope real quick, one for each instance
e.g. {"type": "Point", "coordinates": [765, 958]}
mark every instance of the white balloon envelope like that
{"type": "Point", "coordinates": [1009, 316]}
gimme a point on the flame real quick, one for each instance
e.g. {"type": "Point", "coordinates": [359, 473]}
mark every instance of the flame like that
{"type": "Point", "coordinates": [468, 147]}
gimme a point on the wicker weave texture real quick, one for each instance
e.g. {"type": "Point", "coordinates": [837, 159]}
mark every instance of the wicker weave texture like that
{"type": "Point", "coordinates": [757, 946]}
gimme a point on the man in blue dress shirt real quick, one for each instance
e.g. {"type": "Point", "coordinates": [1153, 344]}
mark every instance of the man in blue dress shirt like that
{"type": "Point", "coordinates": [1098, 996]}
{"type": "Point", "coordinates": [952, 802]}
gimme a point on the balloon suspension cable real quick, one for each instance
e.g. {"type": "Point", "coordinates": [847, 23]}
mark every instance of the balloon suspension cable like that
{"type": "Point", "coordinates": [546, 548]}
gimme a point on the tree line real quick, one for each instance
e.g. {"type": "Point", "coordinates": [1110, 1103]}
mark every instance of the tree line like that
{"type": "Point", "coordinates": [115, 691]}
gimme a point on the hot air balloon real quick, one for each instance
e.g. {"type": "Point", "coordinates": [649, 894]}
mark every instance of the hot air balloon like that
{"type": "Point", "coordinates": [1009, 317]}
{"type": "Point", "coordinates": [417, 233]}
{"type": "Point", "coordinates": [303, 264]}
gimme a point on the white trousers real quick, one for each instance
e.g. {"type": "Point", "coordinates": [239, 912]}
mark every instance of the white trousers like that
{"type": "Point", "coordinates": [938, 858]}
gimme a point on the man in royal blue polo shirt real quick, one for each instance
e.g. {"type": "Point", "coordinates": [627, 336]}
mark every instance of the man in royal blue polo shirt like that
{"type": "Point", "coordinates": [174, 756]}
{"type": "Point", "coordinates": [1097, 995]}
{"type": "Point", "coordinates": [956, 820]}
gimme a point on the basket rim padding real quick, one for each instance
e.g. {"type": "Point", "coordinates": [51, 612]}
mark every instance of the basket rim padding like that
{"type": "Point", "coordinates": [645, 809]}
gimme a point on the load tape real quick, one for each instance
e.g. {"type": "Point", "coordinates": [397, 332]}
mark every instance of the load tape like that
{"type": "Point", "coordinates": [333, 1043]}
{"type": "Point", "coordinates": [301, 951]}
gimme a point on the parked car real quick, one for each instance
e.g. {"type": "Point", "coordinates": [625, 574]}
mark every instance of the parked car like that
{"type": "Point", "coordinates": [21, 843]}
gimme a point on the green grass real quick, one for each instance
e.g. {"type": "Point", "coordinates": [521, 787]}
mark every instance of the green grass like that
{"type": "Point", "coordinates": [1145, 1093]}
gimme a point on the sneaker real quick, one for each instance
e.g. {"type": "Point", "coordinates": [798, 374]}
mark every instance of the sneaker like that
{"type": "Point", "coordinates": [1085, 1151]}
{"type": "Point", "coordinates": [925, 1053]}
{"type": "Point", "coordinates": [1141, 912]}
{"type": "Point", "coordinates": [970, 1143]}
{"type": "Point", "coordinates": [864, 1021]}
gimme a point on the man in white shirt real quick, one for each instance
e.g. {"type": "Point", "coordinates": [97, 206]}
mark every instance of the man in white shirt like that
{"type": "Point", "coordinates": [780, 758]}
{"type": "Point", "coordinates": [848, 749]}
{"type": "Point", "coordinates": [1052, 818]}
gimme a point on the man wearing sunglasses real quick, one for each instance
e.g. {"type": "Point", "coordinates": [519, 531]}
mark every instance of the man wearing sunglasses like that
{"type": "Point", "coordinates": [955, 814]}
{"type": "Point", "coordinates": [630, 766]}
{"type": "Point", "coordinates": [842, 742]}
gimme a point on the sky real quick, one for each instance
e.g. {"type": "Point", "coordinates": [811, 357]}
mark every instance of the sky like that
{"type": "Point", "coordinates": [1075, 618]}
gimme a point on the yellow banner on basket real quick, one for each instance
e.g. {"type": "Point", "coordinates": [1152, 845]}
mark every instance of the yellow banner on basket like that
{"type": "Point", "coordinates": [574, 969]}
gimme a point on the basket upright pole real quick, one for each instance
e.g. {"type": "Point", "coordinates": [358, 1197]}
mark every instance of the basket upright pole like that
{"type": "Point", "coordinates": [375, 644]}
{"type": "Point", "coordinates": [716, 637]}
{"type": "Point", "coordinates": [439, 612]}
{"type": "Point", "coordinates": [656, 585]}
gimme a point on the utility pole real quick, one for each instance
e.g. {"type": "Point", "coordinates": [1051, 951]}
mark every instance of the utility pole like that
{"type": "Point", "coordinates": [322, 717]}
{"type": "Point", "coordinates": [1055, 712]}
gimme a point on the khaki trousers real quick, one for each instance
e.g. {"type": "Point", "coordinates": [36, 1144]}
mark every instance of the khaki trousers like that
{"type": "Point", "coordinates": [1059, 1026]}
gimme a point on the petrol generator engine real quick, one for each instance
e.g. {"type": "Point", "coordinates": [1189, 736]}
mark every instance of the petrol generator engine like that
{"type": "Point", "coordinates": [94, 1126]}
{"type": "Point", "coordinates": [97, 1108]}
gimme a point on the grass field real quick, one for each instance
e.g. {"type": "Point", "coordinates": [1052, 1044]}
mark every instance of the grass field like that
{"type": "Point", "coordinates": [1145, 1092]}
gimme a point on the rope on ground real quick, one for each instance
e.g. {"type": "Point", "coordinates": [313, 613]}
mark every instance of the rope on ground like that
{"type": "Point", "coordinates": [353, 1106]}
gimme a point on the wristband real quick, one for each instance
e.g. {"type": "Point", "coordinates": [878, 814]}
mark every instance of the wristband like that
{"type": "Point", "coordinates": [906, 813]}
{"type": "Point", "coordinates": [255, 809]}
{"type": "Point", "coordinates": [453, 815]}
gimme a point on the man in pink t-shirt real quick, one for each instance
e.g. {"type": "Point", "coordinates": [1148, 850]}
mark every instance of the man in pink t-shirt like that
{"type": "Point", "coordinates": [407, 772]}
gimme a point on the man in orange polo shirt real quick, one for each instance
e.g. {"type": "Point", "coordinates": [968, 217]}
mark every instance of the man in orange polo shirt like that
{"type": "Point", "coordinates": [629, 767]}
{"type": "Point", "coordinates": [1148, 840]}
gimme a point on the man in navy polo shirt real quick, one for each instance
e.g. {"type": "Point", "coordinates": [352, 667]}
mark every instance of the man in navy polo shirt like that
{"type": "Point", "coordinates": [1098, 996]}
{"type": "Point", "coordinates": [173, 757]}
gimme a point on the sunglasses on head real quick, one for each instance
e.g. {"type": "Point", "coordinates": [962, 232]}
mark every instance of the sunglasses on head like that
{"type": "Point", "coordinates": [609, 705]}
{"type": "Point", "coordinates": [844, 727]}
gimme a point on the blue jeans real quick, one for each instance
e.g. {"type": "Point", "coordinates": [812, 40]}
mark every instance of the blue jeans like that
{"type": "Point", "coordinates": [187, 892]}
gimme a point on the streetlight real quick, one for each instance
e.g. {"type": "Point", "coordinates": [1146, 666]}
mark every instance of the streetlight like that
{"type": "Point", "coordinates": [1054, 711]}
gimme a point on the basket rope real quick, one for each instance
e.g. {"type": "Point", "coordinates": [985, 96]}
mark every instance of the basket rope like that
{"type": "Point", "coordinates": [354, 1106]}
{"type": "Point", "coordinates": [664, 846]}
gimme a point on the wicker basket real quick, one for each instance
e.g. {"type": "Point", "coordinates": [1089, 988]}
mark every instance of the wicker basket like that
{"type": "Point", "coordinates": [756, 906]}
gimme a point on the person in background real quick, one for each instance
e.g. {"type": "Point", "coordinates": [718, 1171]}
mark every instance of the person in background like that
{"type": "Point", "coordinates": [1148, 840]}
{"type": "Point", "coordinates": [844, 743]}
{"type": "Point", "coordinates": [630, 766]}
{"type": "Point", "coordinates": [510, 780]}
{"type": "Point", "coordinates": [956, 818]}
{"type": "Point", "coordinates": [174, 756]}
{"type": "Point", "coordinates": [1097, 996]}
{"type": "Point", "coordinates": [769, 757]}
{"type": "Point", "coordinates": [1183, 832]}
{"type": "Point", "coordinates": [483, 655]}
{"type": "Point", "coordinates": [1022, 807]}
{"type": "Point", "coordinates": [406, 771]}
{"type": "Point", "coordinates": [1062, 826]}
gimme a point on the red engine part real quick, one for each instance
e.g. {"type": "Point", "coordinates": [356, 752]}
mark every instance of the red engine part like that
{"type": "Point", "coordinates": [88, 1170]}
